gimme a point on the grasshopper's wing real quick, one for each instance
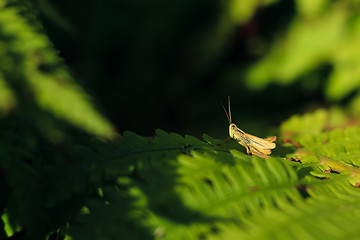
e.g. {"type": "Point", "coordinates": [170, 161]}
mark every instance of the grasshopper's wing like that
{"type": "Point", "coordinates": [263, 153]}
{"type": "Point", "coordinates": [255, 145]}
{"type": "Point", "coordinates": [264, 144]}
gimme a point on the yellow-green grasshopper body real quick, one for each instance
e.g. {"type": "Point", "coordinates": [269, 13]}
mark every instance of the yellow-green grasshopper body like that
{"type": "Point", "coordinates": [254, 145]}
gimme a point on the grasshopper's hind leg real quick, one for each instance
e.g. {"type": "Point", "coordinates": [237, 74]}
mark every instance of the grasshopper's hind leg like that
{"type": "Point", "coordinates": [248, 151]}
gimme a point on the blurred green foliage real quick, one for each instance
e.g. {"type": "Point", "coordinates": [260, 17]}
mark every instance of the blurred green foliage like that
{"type": "Point", "coordinates": [323, 32]}
{"type": "Point", "coordinates": [30, 67]}
{"type": "Point", "coordinates": [65, 173]}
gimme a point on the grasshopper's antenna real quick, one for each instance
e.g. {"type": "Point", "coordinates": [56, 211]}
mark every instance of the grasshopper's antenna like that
{"type": "Point", "coordinates": [229, 110]}
{"type": "Point", "coordinates": [227, 115]}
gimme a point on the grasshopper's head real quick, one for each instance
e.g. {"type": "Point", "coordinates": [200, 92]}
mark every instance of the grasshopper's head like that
{"type": "Point", "coordinates": [232, 129]}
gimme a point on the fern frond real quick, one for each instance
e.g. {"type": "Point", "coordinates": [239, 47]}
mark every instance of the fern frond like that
{"type": "Point", "coordinates": [313, 123]}
{"type": "Point", "coordinates": [206, 193]}
{"type": "Point", "coordinates": [324, 215]}
{"type": "Point", "coordinates": [188, 194]}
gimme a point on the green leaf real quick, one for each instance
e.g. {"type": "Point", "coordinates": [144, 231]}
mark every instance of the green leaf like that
{"type": "Point", "coordinates": [242, 11]}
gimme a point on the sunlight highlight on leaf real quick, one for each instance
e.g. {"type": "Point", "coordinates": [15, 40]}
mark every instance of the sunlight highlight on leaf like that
{"type": "Point", "coordinates": [7, 227]}
{"type": "Point", "coordinates": [311, 8]}
{"type": "Point", "coordinates": [69, 103]}
{"type": "Point", "coordinates": [242, 11]}
{"type": "Point", "coordinates": [346, 75]}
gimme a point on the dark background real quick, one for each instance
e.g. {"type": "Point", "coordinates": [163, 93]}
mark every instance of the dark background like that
{"type": "Point", "coordinates": [168, 64]}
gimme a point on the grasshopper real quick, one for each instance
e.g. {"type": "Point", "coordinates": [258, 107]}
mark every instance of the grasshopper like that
{"type": "Point", "coordinates": [254, 145]}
